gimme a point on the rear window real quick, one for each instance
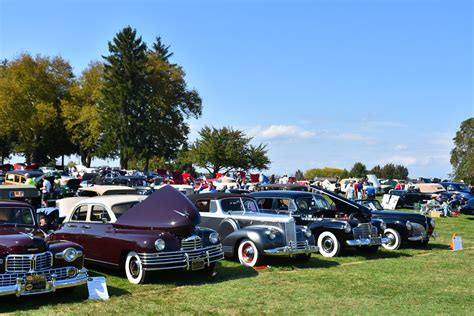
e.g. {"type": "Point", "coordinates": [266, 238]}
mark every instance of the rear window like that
{"type": "Point", "coordinates": [120, 209]}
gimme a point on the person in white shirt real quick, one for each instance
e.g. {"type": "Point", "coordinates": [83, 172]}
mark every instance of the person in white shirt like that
{"type": "Point", "coordinates": [45, 190]}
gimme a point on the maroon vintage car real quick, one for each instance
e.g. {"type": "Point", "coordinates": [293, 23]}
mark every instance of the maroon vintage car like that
{"type": "Point", "coordinates": [29, 263]}
{"type": "Point", "coordinates": [142, 234]}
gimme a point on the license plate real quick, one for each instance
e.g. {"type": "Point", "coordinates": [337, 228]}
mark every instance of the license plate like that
{"type": "Point", "coordinates": [197, 264]}
{"type": "Point", "coordinates": [35, 282]}
{"type": "Point", "coordinates": [17, 194]}
{"type": "Point", "coordinates": [376, 241]}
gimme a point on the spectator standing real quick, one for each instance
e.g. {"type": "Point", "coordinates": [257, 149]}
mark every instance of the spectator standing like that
{"type": "Point", "coordinates": [350, 191]}
{"type": "Point", "coordinates": [30, 180]}
{"type": "Point", "coordinates": [398, 186]}
{"type": "Point", "coordinates": [370, 190]}
{"type": "Point", "coordinates": [46, 191]}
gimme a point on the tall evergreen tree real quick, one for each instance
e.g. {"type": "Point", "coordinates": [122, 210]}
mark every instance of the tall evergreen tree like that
{"type": "Point", "coordinates": [125, 96]}
{"type": "Point", "coordinates": [462, 155]}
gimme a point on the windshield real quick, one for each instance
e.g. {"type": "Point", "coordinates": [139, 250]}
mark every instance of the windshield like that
{"type": "Point", "coordinates": [16, 215]}
{"type": "Point", "coordinates": [463, 188]}
{"type": "Point", "coordinates": [373, 205]}
{"type": "Point", "coordinates": [239, 205]}
{"type": "Point", "coordinates": [312, 203]}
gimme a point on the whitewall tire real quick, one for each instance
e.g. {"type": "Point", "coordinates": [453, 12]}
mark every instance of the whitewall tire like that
{"type": "Point", "coordinates": [248, 253]}
{"type": "Point", "coordinates": [328, 244]}
{"type": "Point", "coordinates": [395, 239]}
{"type": "Point", "coordinates": [134, 269]}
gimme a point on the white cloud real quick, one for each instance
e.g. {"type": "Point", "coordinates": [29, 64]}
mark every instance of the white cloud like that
{"type": "Point", "coordinates": [280, 131]}
{"type": "Point", "coordinates": [401, 160]}
{"type": "Point", "coordinates": [401, 147]}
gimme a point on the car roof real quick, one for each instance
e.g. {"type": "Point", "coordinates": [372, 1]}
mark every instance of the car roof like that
{"type": "Point", "coordinates": [281, 193]}
{"type": "Point", "coordinates": [214, 196]}
{"type": "Point", "coordinates": [10, 203]}
{"type": "Point", "coordinates": [33, 173]}
{"type": "Point", "coordinates": [112, 199]}
{"type": "Point", "coordinates": [101, 189]}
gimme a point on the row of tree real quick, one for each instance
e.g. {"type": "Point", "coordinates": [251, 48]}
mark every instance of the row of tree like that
{"type": "Point", "coordinates": [133, 106]}
{"type": "Point", "coordinates": [358, 170]}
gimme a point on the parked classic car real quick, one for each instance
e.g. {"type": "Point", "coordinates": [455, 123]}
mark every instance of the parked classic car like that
{"type": "Point", "coordinates": [335, 226]}
{"type": "Point", "coordinates": [249, 234]}
{"type": "Point", "coordinates": [29, 263]}
{"type": "Point", "coordinates": [142, 234]}
{"type": "Point", "coordinates": [402, 227]}
{"type": "Point", "coordinates": [22, 192]}
{"type": "Point", "coordinates": [413, 195]}
{"type": "Point", "coordinates": [468, 207]}
{"type": "Point", "coordinates": [19, 176]}
{"type": "Point", "coordinates": [458, 188]}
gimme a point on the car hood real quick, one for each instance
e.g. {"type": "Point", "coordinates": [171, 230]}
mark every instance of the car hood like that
{"type": "Point", "coordinates": [412, 217]}
{"type": "Point", "coordinates": [18, 241]}
{"type": "Point", "coordinates": [165, 209]}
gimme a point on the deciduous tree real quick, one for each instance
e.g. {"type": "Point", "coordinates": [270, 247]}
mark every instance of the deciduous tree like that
{"type": "Point", "coordinates": [462, 155]}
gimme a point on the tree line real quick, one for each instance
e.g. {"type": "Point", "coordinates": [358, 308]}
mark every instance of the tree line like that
{"type": "Point", "coordinates": [132, 105]}
{"type": "Point", "coordinates": [358, 170]}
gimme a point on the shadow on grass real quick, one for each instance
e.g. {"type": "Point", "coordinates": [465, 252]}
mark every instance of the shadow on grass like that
{"type": "Point", "coordinates": [349, 252]}
{"type": "Point", "coordinates": [292, 263]}
{"type": "Point", "coordinates": [429, 246]}
{"type": "Point", "coordinates": [78, 294]}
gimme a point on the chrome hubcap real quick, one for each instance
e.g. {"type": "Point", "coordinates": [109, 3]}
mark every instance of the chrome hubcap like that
{"type": "Point", "coordinates": [134, 268]}
{"type": "Point", "coordinates": [328, 244]}
{"type": "Point", "coordinates": [248, 253]}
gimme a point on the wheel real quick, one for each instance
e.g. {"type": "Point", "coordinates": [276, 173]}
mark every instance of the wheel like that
{"type": "Point", "coordinates": [209, 271]}
{"type": "Point", "coordinates": [134, 269]}
{"type": "Point", "coordinates": [425, 242]}
{"type": "Point", "coordinates": [328, 244]}
{"type": "Point", "coordinates": [395, 239]}
{"type": "Point", "coordinates": [248, 253]}
{"type": "Point", "coordinates": [303, 258]}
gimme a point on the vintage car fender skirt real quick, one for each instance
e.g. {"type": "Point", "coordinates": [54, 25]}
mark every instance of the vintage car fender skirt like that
{"type": "Point", "coordinates": [395, 239]}
{"type": "Point", "coordinates": [328, 244]}
{"type": "Point", "coordinates": [134, 268]}
{"type": "Point", "coordinates": [248, 253]}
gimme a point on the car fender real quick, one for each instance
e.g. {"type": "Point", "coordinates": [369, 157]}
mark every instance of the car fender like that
{"type": "Point", "coordinates": [334, 226]}
{"type": "Point", "coordinates": [256, 234]}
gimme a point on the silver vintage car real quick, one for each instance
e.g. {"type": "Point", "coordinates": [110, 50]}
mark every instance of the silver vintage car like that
{"type": "Point", "coordinates": [250, 235]}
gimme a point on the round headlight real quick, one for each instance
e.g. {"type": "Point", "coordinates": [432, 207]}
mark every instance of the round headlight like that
{"type": "Point", "coordinates": [408, 225]}
{"type": "Point", "coordinates": [71, 272]}
{"type": "Point", "coordinates": [160, 244]}
{"type": "Point", "coordinates": [347, 228]}
{"type": "Point", "coordinates": [70, 254]}
{"type": "Point", "coordinates": [432, 222]}
{"type": "Point", "coordinates": [271, 234]}
{"type": "Point", "coordinates": [307, 232]}
{"type": "Point", "coordinates": [383, 226]}
{"type": "Point", "coordinates": [214, 238]}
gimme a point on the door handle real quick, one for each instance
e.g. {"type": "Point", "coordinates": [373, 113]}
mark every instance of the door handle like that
{"type": "Point", "coordinates": [86, 226]}
{"type": "Point", "coordinates": [70, 225]}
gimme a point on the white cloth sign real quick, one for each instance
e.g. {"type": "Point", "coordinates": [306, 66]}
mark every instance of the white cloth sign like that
{"type": "Point", "coordinates": [97, 288]}
{"type": "Point", "coordinates": [457, 243]}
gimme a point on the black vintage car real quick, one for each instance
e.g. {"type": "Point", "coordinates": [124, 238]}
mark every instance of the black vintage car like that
{"type": "Point", "coordinates": [402, 227]}
{"type": "Point", "coordinates": [335, 221]}
{"type": "Point", "coordinates": [249, 234]}
{"type": "Point", "coordinates": [412, 196]}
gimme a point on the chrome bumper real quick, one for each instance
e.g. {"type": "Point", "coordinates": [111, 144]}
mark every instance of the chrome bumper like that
{"type": "Point", "coordinates": [302, 248]}
{"type": "Point", "coordinates": [19, 289]}
{"type": "Point", "coordinates": [374, 241]}
{"type": "Point", "coordinates": [189, 259]}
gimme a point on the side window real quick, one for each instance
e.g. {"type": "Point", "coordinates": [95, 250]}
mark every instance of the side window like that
{"type": "Point", "coordinates": [283, 204]}
{"type": "Point", "coordinates": [17, 179]}
{"type": "Point", "coordinates": [22, 179]}
{"type": "Point", "coordinates": [213, 207]}
{"type": "Point", "coordinates": [265, 204]}
{"type": "Point", "coordinates": [451, 188]}
{"type": "Point", "coordinates": [99, 212]}
{"type": "Point", "coordinates": [202, 205]}
{"type": "Point", "coordinates": [80, 213]}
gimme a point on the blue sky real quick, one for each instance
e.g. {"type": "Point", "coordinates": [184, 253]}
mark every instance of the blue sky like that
{"type": "Point", "coordinates": [323, 83]}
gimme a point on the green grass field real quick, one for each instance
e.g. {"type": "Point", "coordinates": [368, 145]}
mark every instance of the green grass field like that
{"type": "Point", "coordinates": [431, 280]}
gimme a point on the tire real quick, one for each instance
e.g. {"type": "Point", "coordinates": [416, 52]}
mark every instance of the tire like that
{"type": "Point", "coordinates": [395, 237]}
{"type": "Point", "coordinates": [328, 244]}
{"type": "Point", "coordinates": [248, 253]}
{"type": "Point", "coordinates": [134, 269]}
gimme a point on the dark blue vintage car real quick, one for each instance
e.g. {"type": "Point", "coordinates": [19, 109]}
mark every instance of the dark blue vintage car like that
{"type": "Point", "coordinates": [402, 227]}
{"type": "Point", "coordinates": [335, 222]}
{"type": "Point", "coordinates": [458, 188]}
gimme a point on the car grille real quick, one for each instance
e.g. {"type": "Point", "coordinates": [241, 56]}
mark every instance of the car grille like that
{"type": "Point", "coordinates": [191, 243]}
{"type": "Point", "coordinates": [290, 232]}
{"type": "Point", "coordinates": [29, 263]}
{"type": "Point", "coordinates": [9, 279]}
{"type": "Point", "coordinates": [362, 231]}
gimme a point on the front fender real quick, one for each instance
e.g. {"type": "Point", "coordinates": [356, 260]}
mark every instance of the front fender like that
{"type": "Point", "coordinates": [334, 226]}
{"type": "Point", "coordinates": [256, 234]}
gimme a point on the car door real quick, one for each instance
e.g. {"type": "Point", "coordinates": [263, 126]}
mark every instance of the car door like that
{"type": "Point", "coordinates": [95, 231]}
{"type": "Point", "coordinates": [72, 230]}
